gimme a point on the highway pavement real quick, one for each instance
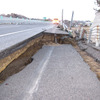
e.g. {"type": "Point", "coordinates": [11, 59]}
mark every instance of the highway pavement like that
{"type": "Point", "coordinates": [56, 73]}
{"type": "Point", "coordinates": [14, 34]}
{"type": "Point", "coordinates": [56, 31]}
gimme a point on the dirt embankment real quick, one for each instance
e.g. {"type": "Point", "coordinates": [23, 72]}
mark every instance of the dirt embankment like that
{"type": "Point", "coordinates": [16, 61]}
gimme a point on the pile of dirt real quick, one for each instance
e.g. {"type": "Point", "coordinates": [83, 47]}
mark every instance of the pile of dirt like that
{"type": "Point", "coordinates": [68, 41]}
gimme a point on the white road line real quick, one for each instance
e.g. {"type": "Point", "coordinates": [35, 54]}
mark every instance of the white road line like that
{"type": "Point", "coordinates": [8, 26]}
{"type": "Point", "coordinates": [35, 86]}
{"type": "Point", "coordinates": [15, 32]}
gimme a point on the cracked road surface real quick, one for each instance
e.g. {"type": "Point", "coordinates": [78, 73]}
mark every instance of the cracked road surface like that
{"type": "Point", "coordinates": [56, 73]}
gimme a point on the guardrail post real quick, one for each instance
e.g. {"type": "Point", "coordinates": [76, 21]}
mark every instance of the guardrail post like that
{"type": "Point", "coordinates": [55, 38]}
{"type": "Point", "coordinates": [89, 38]}
{"type": "Point", "coordinates": [97, 39]}
{"type": "Point", "coordinates": [71, 20]}
{"type": "Point", "coordinates": [81, 32]}
{"type": "Point", "coordinates": [62, 17]}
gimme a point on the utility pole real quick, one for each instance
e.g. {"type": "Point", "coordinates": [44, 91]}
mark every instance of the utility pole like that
{"type": "Point", "coordinates": [71, 19]}
{"type": "Point", "coordinates": [62, 16]}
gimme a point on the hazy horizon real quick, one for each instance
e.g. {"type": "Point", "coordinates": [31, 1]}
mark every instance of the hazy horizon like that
{"type": "Point", "coordinates": [83, 10]}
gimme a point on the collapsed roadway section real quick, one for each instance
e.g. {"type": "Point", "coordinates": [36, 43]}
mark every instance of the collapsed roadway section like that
{"type": "Point", "coordinates": [55, 72]}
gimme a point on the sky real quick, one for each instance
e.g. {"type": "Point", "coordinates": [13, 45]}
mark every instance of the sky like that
{"type": "Point", "coordinates": [83, 9]}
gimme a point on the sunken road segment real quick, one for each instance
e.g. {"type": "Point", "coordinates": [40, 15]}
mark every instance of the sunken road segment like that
{"type": "Point", "coordinates": [56, 73]}
{"type": "Point", "coordinates": [17, 57]}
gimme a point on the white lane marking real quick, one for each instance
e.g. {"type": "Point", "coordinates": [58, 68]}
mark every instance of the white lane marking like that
{"type": "Point", "coordinates": [15, 32]}
{"type": "Point", "coordinates": [35, 86]}
{"type": "Point", "coordinates": [8, 26]}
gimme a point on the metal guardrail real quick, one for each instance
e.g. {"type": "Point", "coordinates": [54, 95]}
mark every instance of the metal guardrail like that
{"type": "Point", "coordinates": [94, 35]}
{"type": "Point", "coordinates": [65, 26]}
{"type": "Point", "coordinates": [10, 20]}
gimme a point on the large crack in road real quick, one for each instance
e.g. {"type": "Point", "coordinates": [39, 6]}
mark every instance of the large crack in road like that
{"type": "Point", "coordinates": [18, 60]}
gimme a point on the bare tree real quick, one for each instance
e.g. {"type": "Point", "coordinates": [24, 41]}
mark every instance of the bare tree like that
{"type": "Point", "coordinates": [98, 2]}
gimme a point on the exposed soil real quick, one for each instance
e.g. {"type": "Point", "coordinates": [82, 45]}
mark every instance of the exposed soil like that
{"type": "Point", "coordinates": [20, 63]}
